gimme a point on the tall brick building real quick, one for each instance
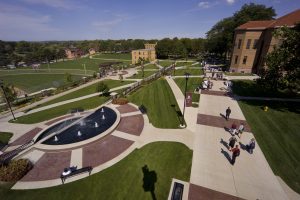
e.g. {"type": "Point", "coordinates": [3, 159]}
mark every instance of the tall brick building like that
{"type": "Point", "coordinates": [254, 40]}
{"type": "Point", "coordinates": [147, 54]}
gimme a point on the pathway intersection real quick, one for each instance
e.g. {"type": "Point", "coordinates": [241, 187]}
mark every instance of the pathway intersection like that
{"type": "Point", "coordinates": [212, 176]}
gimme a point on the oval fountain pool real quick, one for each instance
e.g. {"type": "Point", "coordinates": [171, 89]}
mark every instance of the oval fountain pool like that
{"type": "Point", "coordinates": [84, 128]}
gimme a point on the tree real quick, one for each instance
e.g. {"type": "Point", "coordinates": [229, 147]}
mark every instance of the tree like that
{"type": "Point", "coordinates": [220, 36]}
{"type": "Point", "coordinates": [283, 63]}
{"type": "Point", "coordinates": [103, 88]}
{"type": "Point", "coordinates": [121, 77]}
{"type": "Point", "coordinates": [10, 92]}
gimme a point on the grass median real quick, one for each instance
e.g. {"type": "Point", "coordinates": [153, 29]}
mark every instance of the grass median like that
{"type": "Point", "coordinates": [57, 111]}
{"type": "Point", "coordinates": [124, 180]}
{"type": "Point", "coordinates": [277, 132]}
{"type": "Point", "coordinates": [161, 105]}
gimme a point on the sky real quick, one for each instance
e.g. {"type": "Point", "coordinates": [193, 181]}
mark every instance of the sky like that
{"type": "Point", "coordinates": [40, 20]}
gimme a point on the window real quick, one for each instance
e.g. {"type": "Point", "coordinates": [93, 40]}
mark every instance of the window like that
{"type": "Point", "coordinates": [255, 44]}
{"type": "Point", "coordinates": [248, 44]}
{"type": "Point", "coordinates": [236, 59]}
{"type": "Point", "coordinates": [239, 45]}
{"type": "Point", "coordinates": [244, 59]}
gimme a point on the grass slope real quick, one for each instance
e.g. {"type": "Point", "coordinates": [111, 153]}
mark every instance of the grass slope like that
{"type": "Point", "coordinates": [158, 98]}
{"type": "Point", "coordinates": [252, 89]}
{"type": "Point", "coordinates": [140, 73]}
{"type": "Point", "coordinates": [277, 132]}
{"type": "Point", "coordinates": [125, 179]}
{"type": "Point", "coordinates": [181, 72]}
{"type": "Point", "coordinates": [193, 83]}
{"type": "Point", "coordinates": [86, 91]}
{"type": "Point", "coordinates": [4, 137]}
{"type": "Point", "coordinates": [123, 56]}
{"type": "Point", "coordinates": [40, 116]}
{"type": "Point", "coordinates": [35, 82]}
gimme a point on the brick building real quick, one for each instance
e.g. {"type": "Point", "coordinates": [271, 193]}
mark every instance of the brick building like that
{"type": "Point", "coordinates": [254, 40]}
{"type": "Point", "coordinates": [147, 54]}
{"type": "Point", "coordinates": [73, 53]}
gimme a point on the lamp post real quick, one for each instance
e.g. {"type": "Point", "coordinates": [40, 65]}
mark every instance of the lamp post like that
{"type": "Point", "coordinates": [2, 86]}
{"type": "Point", "coordinates": [187, 75]}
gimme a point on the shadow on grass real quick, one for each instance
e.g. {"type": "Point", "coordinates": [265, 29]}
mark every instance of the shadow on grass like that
{"type": "Point", "coordinates": [149, 180]}
{"type": "Point", "coordinates": [282, 106]}
{"type": "Point", "coordinates": [178, 113]}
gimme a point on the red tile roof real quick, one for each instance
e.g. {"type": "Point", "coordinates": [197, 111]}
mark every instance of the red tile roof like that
{"type": "Point", "coordinates": [287, 20]}
{"type": "Point", "coordinates": [256, 24]}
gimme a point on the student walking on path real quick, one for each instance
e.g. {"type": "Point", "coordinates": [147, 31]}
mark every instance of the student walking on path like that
{"type": "Point", "coordinates": [232, 142]}
{"type": "Point", "coordinates": [235, 153]}
{"type": "Point", "coordinates": [228, 111]}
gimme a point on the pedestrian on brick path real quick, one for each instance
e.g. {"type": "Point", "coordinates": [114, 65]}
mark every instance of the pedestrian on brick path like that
{"type": "Point", "coordinates": [235, 153]}
{"type": "Point", "coordinates": [241, 130]}
{"type": "Point", "coordinates": [232, 142]}
{"type": "Point", "coordinates": [228, 112]}
{"type": "Point", "coordinates": [233, 128]}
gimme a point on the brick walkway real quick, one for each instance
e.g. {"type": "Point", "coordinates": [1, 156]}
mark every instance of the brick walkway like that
{"type": "Point", "coordinates": [26, 137]}
{"type": "Point", "coordinates": [132, 124]}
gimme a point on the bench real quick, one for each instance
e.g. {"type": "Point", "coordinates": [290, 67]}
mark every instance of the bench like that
{"type": "Point", "coordinates": [76, 172]}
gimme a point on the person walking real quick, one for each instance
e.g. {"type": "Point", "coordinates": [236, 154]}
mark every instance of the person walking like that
{"type": "Point", "coordinates": [235, 153]}
{"type": "Point", "coordinates": [241, 130]}
{"type": "Point", "coordinates": [232, 142]}
{"type": "Point", "coordinates": [251, 146]}
{"type": "Point", "coordinates": [228, 112]}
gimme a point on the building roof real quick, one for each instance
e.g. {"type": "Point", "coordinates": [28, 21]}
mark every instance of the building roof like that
{"type": "Point", "coordinates": [287, 20]}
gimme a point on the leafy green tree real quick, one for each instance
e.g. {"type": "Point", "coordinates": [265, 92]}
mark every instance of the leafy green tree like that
{"type": "Point", "coordinates": [283, 63]}
{"type": "Point", "coordinates": [103, 88]}
{"type": "Point", "coordinates": [68, 78]}
{"type": "Point", "coordinates": [10, 92]}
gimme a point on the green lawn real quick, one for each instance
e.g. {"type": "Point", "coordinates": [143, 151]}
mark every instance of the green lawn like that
{"type": "Point", "coordinates": [181, 72]}
{"type": "Point", "coordinates": [125, 179]}
{"type": "Point", "coordinates": [48, 114]}
{"type": "Point", "coordinates": [86, 91]}
{"type": "Point", "coordinates": [252, 89]}
{"type": "Point", "coordinates": [123, 56]}
{"type": "Point", "coordinates": [46, 71]}
{"type": "Point", "coordinates": [165, 63]}
{"type": "Point", "coordinates": [151, 66]}
{"type": "Point", "coordinates": [178, 64]}
{"type": "Point", "coordinates": [278, 135]}
{"type": "Point", "coordinates": [35, 82]}
{"type": "Point", "coordinates": [161, 105]}
{"type": "Point", "coordinates": [139, 74]}
{"type": "Point", "coordinates": [91, 64]}
{"type": "Point", "coordinates": [4, 137]}
{"type": "Point", "coordinates": [193, 83]}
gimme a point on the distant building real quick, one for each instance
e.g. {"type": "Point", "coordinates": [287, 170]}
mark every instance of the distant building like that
{"type": "Point", "coordinates": [147, 54]}
{"type": "Point", "coordinates": [73, 53]}
{"type": "Point", "coordinates": [254, 40]}
{"type": "Point", "coordinates": [92, 51]}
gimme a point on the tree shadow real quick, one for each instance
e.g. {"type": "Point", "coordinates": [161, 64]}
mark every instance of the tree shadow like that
{"type": "Point", "coordinates": [226, 154]}
{"type": "Point", "coordinates": [149, 180]}
{"type": "Point", "coordinates": [178, 113]}
{"type": "Point", "coordinates": [224, 143]}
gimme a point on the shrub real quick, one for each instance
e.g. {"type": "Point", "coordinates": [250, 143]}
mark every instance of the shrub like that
{"type": "Point", "coordinates": [120, 101]}
{"type": "Point", "coordinates": [15, 170]}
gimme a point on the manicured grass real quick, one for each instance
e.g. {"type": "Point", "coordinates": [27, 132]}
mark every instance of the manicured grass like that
{"type": "Point", "coordinates": [86, 91]}
{"type": "Point", "coordinates": [165, 63]}
{"type": "Point", "coordinates": [140, 73]}
{"type": "Point", "coordinates": [178, 64]}
{"type": "Point", "coordinates": [86, 104]}
{"type": "Point", "coordinates": [125, 179]}
{"type": "Point", "coordinates": [238, 74]}
{"type": "Point", "coordinates": [90, 64]}
{"type": "Point", "coordinates": [161, 105]}
{"type": "Point", "coordinates": [151, 66]}
{"type": "Point", "coordinates": [278, 135]}
{"type": "Point", "coordinates": [192, 84]}
{"type": "Point", "coordinates": [181, 72]}
{"type": "Point", "coordinates": [35, 82]}
{"type": "Point", "coordinates": [46, 71]}
{"type": "Point", "coordinates": [123, 56]}
{"type": "Point", "coordinates": [4, 137]}
{"type": "Point", "coordinates": [252, 89]}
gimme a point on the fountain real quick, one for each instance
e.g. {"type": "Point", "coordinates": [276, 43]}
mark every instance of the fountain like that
{"type": "Point", "coordinates": [102, 110]}
{"type": "Point", "coordinates": [96, 125]}
{"type": "Point", "coordinates": [103, 117]}
{"type": "Point", "coordinates": [55, 138]}
{"type": "Point", "coordinates": [78, 133]}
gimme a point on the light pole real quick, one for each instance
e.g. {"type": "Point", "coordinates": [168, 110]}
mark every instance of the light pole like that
{"type": "Point", "coordinates": [187, 75]}
{"type": "Point", "coordinates": [2, 86]}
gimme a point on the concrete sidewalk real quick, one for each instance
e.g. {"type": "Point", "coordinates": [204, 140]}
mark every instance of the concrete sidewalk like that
{"type": "Point", "coordinates": [251, 177]}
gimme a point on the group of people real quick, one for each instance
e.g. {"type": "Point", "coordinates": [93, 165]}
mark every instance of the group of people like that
{"type": "Point", "coordinates": [232, 140]}
{"type": "Point", "coordinates": [207, 84]}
